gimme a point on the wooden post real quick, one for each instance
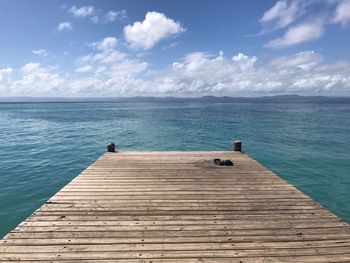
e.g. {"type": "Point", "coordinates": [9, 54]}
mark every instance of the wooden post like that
{"type": "Point", "coordinates": [237, 146]}
{"type": "Point", "coordinates": [111, 147]}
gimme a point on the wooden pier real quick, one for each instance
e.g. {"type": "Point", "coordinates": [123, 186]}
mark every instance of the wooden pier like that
{"type": "Point", "coordinates": [164, 207]}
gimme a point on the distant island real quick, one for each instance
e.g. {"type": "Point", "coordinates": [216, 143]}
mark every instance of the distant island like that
{"type": "Point", "coordinates": [208, 99]}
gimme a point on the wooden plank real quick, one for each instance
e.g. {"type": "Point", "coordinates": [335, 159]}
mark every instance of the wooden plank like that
{"type": "Point", "coordinates": [49, 240]}
{"type": "Point", "coordinates": [336, 244]}
{"type": "Point", "coordinates": [176, 254]}
{"type": "Point", "coordinates": [178, 207]}
{"type": "Point", "coordinates": [247, 233]}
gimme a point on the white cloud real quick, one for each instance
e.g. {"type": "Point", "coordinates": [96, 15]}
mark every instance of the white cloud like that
{"type": "Point", "coordinates": [244, 61]}
{"type": "Point", "coordinates": [40, 52]}
{"type": "Point", "coordinates": [30, 67]}
{"type": "Point", "coordinates": [108, 60]}
{"type": "Point", "coordinates": [5, 80]}
{"type": "Point", "coordinates": [155, 27]}
{"type": "Point", "coordinates": [301, 73]}
{"type": "Point", "coordinates": [5, 74]}
{"type": "Point", "coordinates": [84, 69]}
{"type": "Point", "coordinates": [200, 73]}
{"type": "Point", "coordinates": [342, 13]}
{"type": "Point", "coordinates": [196, 74]}
{"type": "Point", "coordinates": [64, 26]}
{"type": "Point", "coordinates": [192, 61]}
{"type": "Point", "coordinates": [32, 79]}
{"type": "Point", "coordinates": [128, 68]}
{"type": "Point", "coordinates": [112, 16]}
{"type": "Point", "coordinates": [298, 34]}
{"type": "Point", "coordinates": [306, 60]}
{"type": "Point", "coordinates": [95, 15]}
{"type": "Point", "coordinates": [105, 44]}
{"type": "Point", "coordinates": [83, 11]}
{"type": "Point", "coordinates": [282, 13]}
{"type": "Point", "coordinates": [107, 54]}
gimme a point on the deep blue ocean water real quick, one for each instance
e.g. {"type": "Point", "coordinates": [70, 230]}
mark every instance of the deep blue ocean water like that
{"type": "Point", "coordinates": [45, 145]}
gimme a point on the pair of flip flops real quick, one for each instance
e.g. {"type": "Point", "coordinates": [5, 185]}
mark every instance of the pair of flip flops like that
{"type": "Point", "coordinates": [223, 162]}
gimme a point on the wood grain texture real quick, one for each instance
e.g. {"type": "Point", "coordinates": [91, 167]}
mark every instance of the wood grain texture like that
{"type": "Point", "coordinates": [164, 207]}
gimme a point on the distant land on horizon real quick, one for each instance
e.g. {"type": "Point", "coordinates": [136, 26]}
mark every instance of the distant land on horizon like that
{"type": "Point", "coordinates": [208, 99]}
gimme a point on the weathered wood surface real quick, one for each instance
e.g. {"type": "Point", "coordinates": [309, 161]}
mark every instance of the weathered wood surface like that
{"type": "Point", "coordinates": [178, 207]}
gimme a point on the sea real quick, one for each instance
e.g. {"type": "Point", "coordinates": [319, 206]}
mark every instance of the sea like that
{"type": "Point", "coordinates": [45, 145]}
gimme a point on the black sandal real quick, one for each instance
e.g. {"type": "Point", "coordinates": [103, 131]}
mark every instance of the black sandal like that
{"type": "Point", "coordinates": [227, 163]}
{"type": "Point", "coordinates": [217, 162]}
{"type": "Point", "coordinates": [223, 162]}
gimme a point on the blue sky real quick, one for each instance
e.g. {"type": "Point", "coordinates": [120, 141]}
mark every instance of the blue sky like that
{"type": "Point", "coordinates": [177, 48]}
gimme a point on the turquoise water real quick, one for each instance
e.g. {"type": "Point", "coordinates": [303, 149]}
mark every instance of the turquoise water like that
{"type": "Point", "coordinates": [44, 145]}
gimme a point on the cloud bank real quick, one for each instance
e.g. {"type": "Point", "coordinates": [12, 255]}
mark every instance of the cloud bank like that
{"type": "Point", "coordinates": [196, 74]}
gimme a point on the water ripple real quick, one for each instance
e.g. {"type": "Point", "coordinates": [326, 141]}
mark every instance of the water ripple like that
{"type": "Point", "coordinates": [43, 146]}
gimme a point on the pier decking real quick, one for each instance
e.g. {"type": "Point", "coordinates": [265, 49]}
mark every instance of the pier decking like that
{"type": "Point", "coordinates": [178, 207]}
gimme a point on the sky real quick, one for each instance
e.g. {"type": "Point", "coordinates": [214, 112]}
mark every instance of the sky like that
{"type": "Point", "coordinates": [186, 48]}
